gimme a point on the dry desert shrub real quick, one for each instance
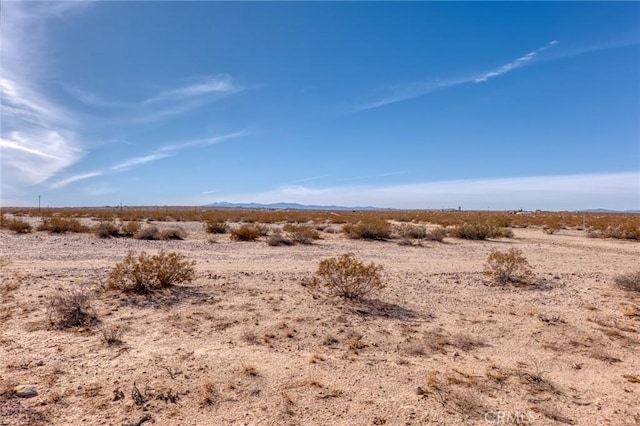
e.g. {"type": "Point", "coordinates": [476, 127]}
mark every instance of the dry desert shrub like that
{"type": "Point", "coordinates": [111, 335]}
{"type": "Point", "coordinates": [301, 234]}
{"type": "Point", "coordinates": [61, 225]}
{"type": "Point", "coordinates": [246, 232]}
{"type": "Point", "coordinates": [479, 231]}
{"type": "Point", "coordinates": [216, 227]}
{"type": "Point", "coordinates": [106, 229]}
{"type": "Point", "coordinates": [436, 234]}
{"type": "Point", "coordinates": [510, 266]}
{"type": "Point", "coordinates": [18, 226]}
{"type": "Point", "coordinates": [409, 231]}
{"type": "Point", "coordinates": [150, 232]}
{"type": "Point", "coordinates": [369, 229]}
{"type": "Point", "coordinates": [278, 239]}
{"type": "Point", "coordinates": [347, 277]}
{"type": "Point", "coordinates": [144, 273]}
{"type": "Point", "coordinates": [172, 234]}
{"type": "Point", "coordinates": [129, 228]}
{"type": "Point", "coordinates": [71, 308]}
{"type": "Point", "coordinates": [629, 282]}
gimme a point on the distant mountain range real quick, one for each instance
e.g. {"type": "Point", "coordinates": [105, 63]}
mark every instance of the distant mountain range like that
{"type": "Point", "coordinates": [608, 211]}
{"type": "Point", "coordinates": [296, 206]}
{"type": "Point", "coordinates": [285, 206]}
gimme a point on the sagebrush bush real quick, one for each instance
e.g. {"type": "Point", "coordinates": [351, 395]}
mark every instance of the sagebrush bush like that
{"type": "Point", "coordinates": [407, 230]}
{"type": "Point", "coordinates": [130, 228]}
{"type": "Point", "coordinates": [216, 227]}
{"type": "Point", "coordinates": [278, 239]}
{"type": "Point", "coordinates": [301, 234]}
{"type": "Point", "coordinates": [71, 308]}
{"type": "Point", "coordinates": [510, 266]}
{"type": "Point", "coordinates": [18, 226]}
{"type": "Point", "coordinates": [246, 232]}
{"type": "Point", "coordinates": [629, 282]}
{"type": "Point", "coordinates": [61, 225]}
{"type": "Point", "coordinates": [106, 229]}
{"type": "Point", "coordinates": [479, 231]}
{"type": "Point", "coordinates": [345, 276]}
{"type": "Point", "coordinates": [150, 232]}
{"type": "Point", "coordinates": [144, 273]}
{"type": "Point", "coordinates": [172, 234]}
{"type": "Point", "coordinates": [436, 234]}
{"type": "Point", "coordinates": [370, 229]}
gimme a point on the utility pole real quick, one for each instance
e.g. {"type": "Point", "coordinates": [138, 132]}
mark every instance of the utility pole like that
{"type": "Point", "coordinates": [38, 204]}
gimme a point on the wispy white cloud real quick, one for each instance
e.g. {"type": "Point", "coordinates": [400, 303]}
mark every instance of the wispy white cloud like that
{"type": "Point", "coordinates": [417, 90]}
{"type": "Point", "coordinates": [219, 84]}
{"type": "Point", "coordinates": [165, 151]}
{"type": "Point", "coordinates": [213, 140]}
{"type": "Point", "coordinates": [92, 99]}
{"type": "Point", "coordinates": [136, 161]}
{"type": "Point", "coordinates": [518, 63]}
{"type": "Point", "coordinates": [38, 136]}
{"type": "Point", "coordinates": [373, 176]}
{"type": "Point", "coordinates": [563, 192]}
{"type": "Point", "coordinates": [75, 178]}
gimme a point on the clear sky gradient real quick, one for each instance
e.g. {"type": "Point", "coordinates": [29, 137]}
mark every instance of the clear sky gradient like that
{"type": "Point", "coordinates": [390, 104]}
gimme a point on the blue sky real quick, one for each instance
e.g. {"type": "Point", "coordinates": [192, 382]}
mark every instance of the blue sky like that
{"type": "Point", "coordinates": [390, 104]}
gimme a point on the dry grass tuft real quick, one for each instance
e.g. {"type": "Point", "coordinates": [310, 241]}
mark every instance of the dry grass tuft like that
{"type": "Point", "coordinates": [629, 282]}
{"type": "Point", "coordinates": [112, 335]}
{"type": "Point", "coordinates": [71, 308]}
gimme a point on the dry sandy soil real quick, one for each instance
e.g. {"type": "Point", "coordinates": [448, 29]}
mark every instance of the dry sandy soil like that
{"type": "Point", "coordinates": [246, 343]}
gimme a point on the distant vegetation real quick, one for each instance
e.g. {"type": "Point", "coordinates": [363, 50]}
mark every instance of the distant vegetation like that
{"type": "Point", "coordinates": [365, 224]}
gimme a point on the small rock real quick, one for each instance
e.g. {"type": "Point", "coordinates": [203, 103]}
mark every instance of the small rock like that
{"type": "Point", "coordinates": [26, 391]}
{"type": "Point", "coordinates": [419, 390]}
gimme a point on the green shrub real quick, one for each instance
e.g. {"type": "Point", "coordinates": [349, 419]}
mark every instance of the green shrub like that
{"type": "Point", "coordinates": [247, 232]}
{"type": "Point", "coordinates": [346, 277]}
{"type": "Point", "coordinates": [61, 225]}
{"type": "Point", "coordinates": [144, 273]}
{"type": "Point", "coordinates": [510, 266]}
{"type": "Point", "coordinates": [18, 226]}
{"type": "Point", "coordinates": [371, 229]}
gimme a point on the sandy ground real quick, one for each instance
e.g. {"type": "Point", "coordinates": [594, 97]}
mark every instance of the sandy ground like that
{"type": "Point", "coordinates": [246, 343]}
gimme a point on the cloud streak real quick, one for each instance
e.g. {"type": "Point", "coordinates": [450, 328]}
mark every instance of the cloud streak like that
{"type": "Point", "coordinates": [165, 151]}
{"type": "Point", "coordinates": [518, 63]}
{"type": "Point", "coordinates": [562, 192]}
{"type": "Point", "coordinates": [38, 136]}
{"type": "Point", "coordinates": [219, 85]}
{"type": "Point", "coordinates": [418, 90]}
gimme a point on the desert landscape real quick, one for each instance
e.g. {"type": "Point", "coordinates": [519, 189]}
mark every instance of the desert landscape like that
{"type": "Point", "coordinates": [252, 333]}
